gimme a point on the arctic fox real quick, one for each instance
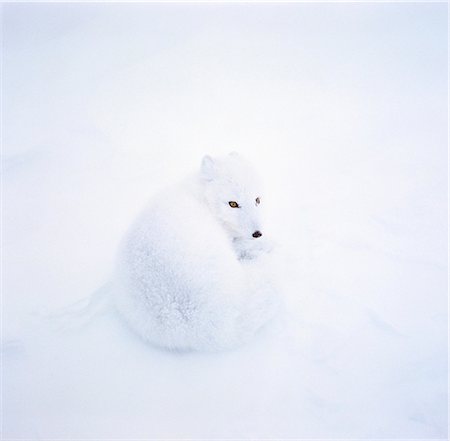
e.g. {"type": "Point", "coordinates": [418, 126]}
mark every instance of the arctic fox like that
{"type": "Point", "coordinates": [193, 270]}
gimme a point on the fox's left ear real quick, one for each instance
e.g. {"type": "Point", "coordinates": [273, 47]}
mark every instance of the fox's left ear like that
{"type": "Point", "coordinates": [208, 168]}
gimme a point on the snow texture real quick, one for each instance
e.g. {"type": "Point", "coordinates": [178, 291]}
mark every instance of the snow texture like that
{"type": "Point", "coordinates": [341, 108]}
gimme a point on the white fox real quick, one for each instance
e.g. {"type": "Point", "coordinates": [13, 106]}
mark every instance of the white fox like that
{"type": "Point", "coordinates": [193, 271]}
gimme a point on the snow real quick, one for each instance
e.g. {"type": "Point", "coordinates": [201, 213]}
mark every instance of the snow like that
{"type": "Point", "coordinates": [343, 110]}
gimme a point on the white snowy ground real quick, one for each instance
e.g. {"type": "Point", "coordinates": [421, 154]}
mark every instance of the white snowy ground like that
{"type": "Point", "coordinates": [342, 107]}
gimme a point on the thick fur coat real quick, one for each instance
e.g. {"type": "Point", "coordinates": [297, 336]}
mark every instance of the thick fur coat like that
{"type": "Point", "coordinates": [191, 272]}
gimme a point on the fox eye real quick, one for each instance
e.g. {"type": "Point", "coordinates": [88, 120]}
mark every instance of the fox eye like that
{"type": "Point", "coordinates": [258, 201]}
{"type": "Point", "coordinates": [233, 204]}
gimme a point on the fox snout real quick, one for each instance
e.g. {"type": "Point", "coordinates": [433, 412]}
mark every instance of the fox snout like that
{"type": "Point", "coordinates": [257, 234]}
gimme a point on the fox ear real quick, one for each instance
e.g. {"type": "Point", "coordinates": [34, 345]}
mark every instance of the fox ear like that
{"type": "Point", "coordinates": [208, 168]}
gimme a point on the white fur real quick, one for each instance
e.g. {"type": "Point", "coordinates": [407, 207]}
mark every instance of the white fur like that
{"type": "Point", "coordinates": [190, 275]}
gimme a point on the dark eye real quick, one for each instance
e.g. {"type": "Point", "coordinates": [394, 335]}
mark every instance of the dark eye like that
{"type": "Point", "coordinates": [258, 201]}
{"type": "Point", "coordinates": [233, 204]}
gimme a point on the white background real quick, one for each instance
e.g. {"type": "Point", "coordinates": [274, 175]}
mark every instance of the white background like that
{"type": "Point", "coordinates": [341, 107]}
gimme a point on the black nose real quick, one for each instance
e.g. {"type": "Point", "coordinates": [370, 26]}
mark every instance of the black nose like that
{"type": "Point", "coordinates": [257, 234]}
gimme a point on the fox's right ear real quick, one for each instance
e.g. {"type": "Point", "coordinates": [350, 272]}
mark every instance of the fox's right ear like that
{"type": "Point", "coordinates": [208, 168]}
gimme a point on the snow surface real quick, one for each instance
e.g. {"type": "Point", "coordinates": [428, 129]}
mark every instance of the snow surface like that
{"type": "Point", "coordinates": [343, 110]}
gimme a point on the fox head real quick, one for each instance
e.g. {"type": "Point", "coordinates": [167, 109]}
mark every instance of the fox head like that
{"type": "Point", "coordinates": [232, 191]}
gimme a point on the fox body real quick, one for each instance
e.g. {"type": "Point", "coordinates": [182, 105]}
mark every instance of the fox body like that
{"type": "Point", "coordinates": [193, 270]}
